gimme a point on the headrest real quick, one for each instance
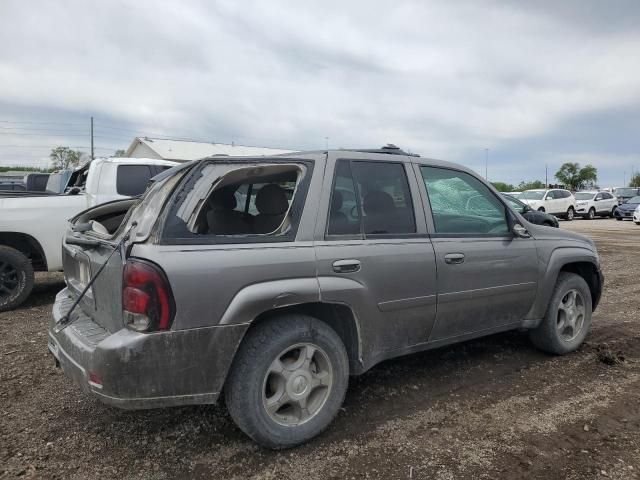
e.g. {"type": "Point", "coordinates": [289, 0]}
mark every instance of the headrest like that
{"type": "Point", "coordinates": [377, 201]}
{"type": "Point", "coordinates": [336, 201]}
{"type": "Point", "coordinates": [223, 198]}
{"type": "Point", "coordinates": [272, 200]}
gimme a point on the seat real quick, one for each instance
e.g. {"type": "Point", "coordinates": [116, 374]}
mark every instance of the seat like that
{"type": "Point", "coordinates": [222, 218]}
{"type": "Point", "coordinates": [272, 206]}
{"type": "Point", "coordinates": [379, 212]}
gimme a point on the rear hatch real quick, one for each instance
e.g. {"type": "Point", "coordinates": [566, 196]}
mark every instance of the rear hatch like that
{"type": "Point", "coordinates": [92, 240]}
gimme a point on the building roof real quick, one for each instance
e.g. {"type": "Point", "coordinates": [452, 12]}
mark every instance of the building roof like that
{"type": "Point", "coordinates": [182, 150]}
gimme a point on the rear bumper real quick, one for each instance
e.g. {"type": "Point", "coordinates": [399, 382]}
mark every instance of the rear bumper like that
{"type": "Point", "coordinates": [134, 370]}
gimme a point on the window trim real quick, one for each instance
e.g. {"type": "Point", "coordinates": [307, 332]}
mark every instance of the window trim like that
{"type": "Point", "coordinates": [406, 166]}
{"type": "Point", "coordinates": [173, 231]}
{"type": "Point", "coordinates": [509, 213]}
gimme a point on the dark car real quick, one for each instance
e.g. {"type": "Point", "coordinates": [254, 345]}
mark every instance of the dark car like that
{"type": "Point", "coordinates": [626, 209]}
{"type": "Point", "coordinates": [534, 216]}
{"type": "Point", "coordinates": [624, 194]}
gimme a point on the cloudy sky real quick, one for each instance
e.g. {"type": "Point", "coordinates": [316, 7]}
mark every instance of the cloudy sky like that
{"type": "Point", "coordinates": [534, 82]}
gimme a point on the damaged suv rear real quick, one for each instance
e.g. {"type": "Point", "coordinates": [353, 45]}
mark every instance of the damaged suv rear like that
{"type": "Point", "coordinates": [275, 278]}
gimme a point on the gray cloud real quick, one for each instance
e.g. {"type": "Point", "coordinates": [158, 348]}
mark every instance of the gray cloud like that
{"type": "Point", "coordinates": [536, 81]}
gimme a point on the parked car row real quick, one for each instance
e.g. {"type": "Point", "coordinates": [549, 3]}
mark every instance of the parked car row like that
{"type": "Point", "coordinates": [586, 204]}
{"type": "Point", "coordinates": [271, 280]}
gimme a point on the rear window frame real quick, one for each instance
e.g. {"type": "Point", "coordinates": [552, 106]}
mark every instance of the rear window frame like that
{"type": "Point", "coordinates": [174, 230]}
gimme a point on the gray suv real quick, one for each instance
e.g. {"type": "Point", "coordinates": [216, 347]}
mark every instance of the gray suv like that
{"type": "Point", "coordinates": [270, 280]}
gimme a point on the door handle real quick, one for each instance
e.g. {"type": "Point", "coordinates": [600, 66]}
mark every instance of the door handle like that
{"type": "Point", "coordinates": [454, 258]}
{"type": "Point", "coordinates": [346, 266]}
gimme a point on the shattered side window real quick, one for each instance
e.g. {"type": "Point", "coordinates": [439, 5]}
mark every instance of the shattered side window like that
{"type": "Point", "coordinates": [252, 200]}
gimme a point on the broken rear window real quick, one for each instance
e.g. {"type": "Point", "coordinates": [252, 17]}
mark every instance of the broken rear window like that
{"type": "Point", "coordinates": [235, 202]}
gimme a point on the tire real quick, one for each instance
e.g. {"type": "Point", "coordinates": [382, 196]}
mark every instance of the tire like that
{"type": "Point", "coordinates": [613, 212]}
{"type": "Point", "coordinates": [16, 278]}
{"type": "Point", "coordinates": [253, 380]}
{"type": "Point", "coordinates": [637, 223]}
{"type": "Point", "coordinates": [592, 214]}
{"type": "Point", "coordinates": [552, 335]}
{"type": "Point", "coordinates": [541, 209]}
{"type": "Point", "coordinates": [570, 214]}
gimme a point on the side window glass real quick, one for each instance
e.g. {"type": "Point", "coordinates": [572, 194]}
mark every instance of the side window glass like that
{"type": "Point", "coordinates": [599, 196]}
{"type": "Point", "coordinates": [132, 180]}
{"type": "Point", "coordinates": [371, 198]}
{"type": "Point", "coordinates": [384, 198]}
{"type": "Point", "coordinates": [461, 204]}
{"type": "Point", "coordinates": [551, 195]}
{"type": "Point", "coordinates": [344, 212]}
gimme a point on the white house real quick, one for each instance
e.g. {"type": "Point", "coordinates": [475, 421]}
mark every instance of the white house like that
{"type": "Point", "coordinates": [182, 150]}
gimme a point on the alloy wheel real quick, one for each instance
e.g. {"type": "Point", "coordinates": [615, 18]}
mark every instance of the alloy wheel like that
{"type": "Point", "coordinates": [571, 315]}
{"type": "Point", "coordinates": [297, 384]}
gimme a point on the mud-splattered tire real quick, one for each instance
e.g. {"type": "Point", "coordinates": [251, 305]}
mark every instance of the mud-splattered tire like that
{"type": "Point", "coordinates": [16, 278]}
{"type": "Point", "coordinates": [288, 380]}
{"type": "Point", "coordinates": [568, 316]}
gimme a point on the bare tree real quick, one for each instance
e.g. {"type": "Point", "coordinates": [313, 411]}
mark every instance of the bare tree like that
{"type": "Point", "coordinates": [64, 157]}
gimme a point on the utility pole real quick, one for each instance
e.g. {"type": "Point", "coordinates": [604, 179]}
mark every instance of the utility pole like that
{"type": "Point", "coordinates": [92, 156]}
{"type": "Point", "coordinates": [486, 164]}
{"type": "Point", "coordinates": [546, 176]}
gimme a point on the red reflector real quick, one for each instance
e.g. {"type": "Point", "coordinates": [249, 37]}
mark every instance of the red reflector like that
{"type": "Point", "coordinates": [94, 378]}
{"type": "Point", "coordinates": [134, 300]}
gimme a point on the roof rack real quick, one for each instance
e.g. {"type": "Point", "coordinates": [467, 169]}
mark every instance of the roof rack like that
{"type": "Point", "coordinates": [389, 149]}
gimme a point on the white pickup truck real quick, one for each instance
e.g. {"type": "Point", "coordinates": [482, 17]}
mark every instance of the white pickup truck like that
{"type": "Point", "coordinates": [32, 225]}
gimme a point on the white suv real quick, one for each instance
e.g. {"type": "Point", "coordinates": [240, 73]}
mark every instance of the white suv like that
{"type": "Point", "coordinates": [590, 204]}
{"type": "Point", "coordinates": [555, 201]}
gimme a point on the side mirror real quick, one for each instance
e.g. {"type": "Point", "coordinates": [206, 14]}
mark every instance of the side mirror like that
{"type": "Point", "coordinates": [519, 231]}
{"type": "Point", "coordinates": [75, 191]}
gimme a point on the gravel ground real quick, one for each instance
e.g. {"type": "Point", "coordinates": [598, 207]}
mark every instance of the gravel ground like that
{"type": "Point", "coordinates": [490, 408]}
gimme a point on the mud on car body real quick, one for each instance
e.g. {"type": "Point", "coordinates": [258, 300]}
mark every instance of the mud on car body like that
{"type": "Point", "coordinates": [275, 278]}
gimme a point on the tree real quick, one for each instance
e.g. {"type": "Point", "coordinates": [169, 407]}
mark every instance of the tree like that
{"type": "Point", "coordinates": [531, 185]}
{"type": "Point", "coordinates": [119, 153]}
{"type": "Point", "coordinates": [574, 178]}
{"type": "Point", "coordinates": [64, 157]}
{"type": "Point", "coordinates": [635, 180]}
{"type": "Point", "coordinates": [503, 187]}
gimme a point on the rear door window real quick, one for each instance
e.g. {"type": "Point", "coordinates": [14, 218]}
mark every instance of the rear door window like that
{"type": "Point", "coordinates": [370, 198]}
{"type": "Point", "coordinates": [132, 180]}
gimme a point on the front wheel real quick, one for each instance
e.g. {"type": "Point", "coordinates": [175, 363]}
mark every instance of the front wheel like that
{"type": "Point", "coordinates": [16, 278]}
{"type": "Point", "coordinates": [592, 214]}
{"type": "Point", "coordinates": [570, 214]}
{"type": "Point", "coordinates": [288, 380]}
{"type": "Point", "coordinates": [568, 316]}
{"type": "Point", "coordinates": [541, 209]}
{"type": "Point", "coordinates": [613, 212]}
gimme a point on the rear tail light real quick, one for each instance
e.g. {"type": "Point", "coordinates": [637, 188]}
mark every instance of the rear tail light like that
{"type": "Point", "coordinates": [147, 301]}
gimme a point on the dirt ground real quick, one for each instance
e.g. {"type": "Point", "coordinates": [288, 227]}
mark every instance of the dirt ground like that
{"type": "Point", "coordinates": [490, 408]}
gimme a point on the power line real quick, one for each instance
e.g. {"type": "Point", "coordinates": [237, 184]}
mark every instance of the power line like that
{"type": "Point", "coordinates": [41, 123]}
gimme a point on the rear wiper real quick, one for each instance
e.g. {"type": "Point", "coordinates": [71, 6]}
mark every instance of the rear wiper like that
{"type": "Point", "coordinates": [65, 321]}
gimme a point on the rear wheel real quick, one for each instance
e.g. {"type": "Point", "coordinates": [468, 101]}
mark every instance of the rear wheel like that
{"type": "Point", "coordinates": [16, 278]}
{"type": "Point", "coordinates": [568, 317]}
{"type": "Point", "coordinates": [288, 381]}
{"type": "Point", "coordinates": [570, 214]}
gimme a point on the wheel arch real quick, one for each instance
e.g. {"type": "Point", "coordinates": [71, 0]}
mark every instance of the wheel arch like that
{"type": "Point", "coordinates": [28, 246]}
{"type": "Point", "coordinates": [580, 261]}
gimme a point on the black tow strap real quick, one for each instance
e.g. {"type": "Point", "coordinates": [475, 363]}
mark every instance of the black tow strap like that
{"type": "Point", "coordinates": [65, 321]}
